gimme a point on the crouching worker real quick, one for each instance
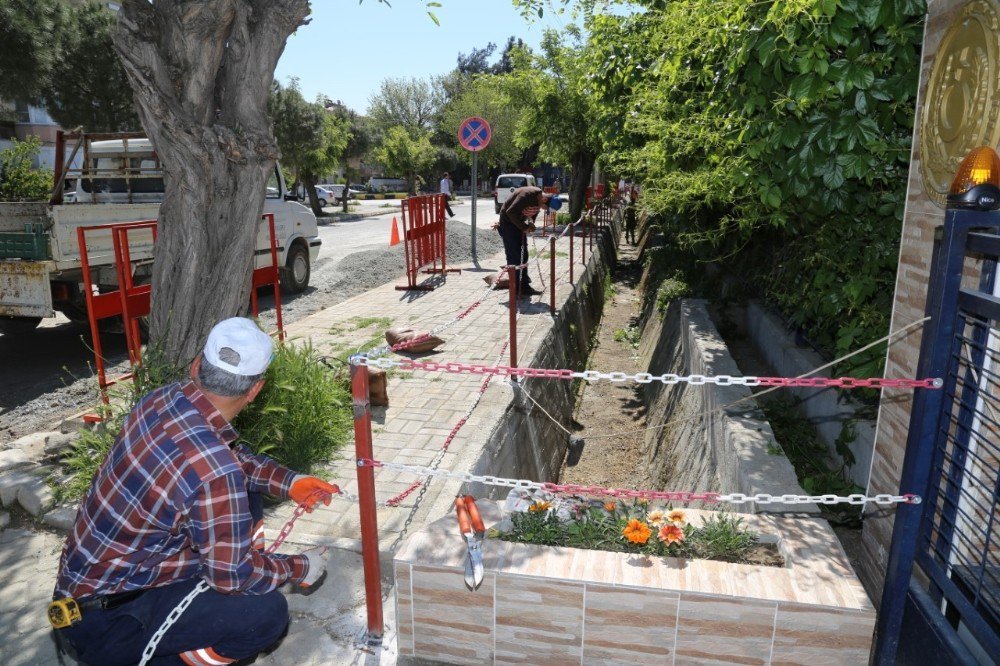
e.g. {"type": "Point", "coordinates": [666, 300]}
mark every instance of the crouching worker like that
{"type": "Point", "coordinates": [517, 218]}
{"type": "Point", "coordinates": [176, 502]}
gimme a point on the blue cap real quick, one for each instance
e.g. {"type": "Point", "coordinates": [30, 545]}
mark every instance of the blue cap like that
{"type": "Point", "coordinates": [555, 203]}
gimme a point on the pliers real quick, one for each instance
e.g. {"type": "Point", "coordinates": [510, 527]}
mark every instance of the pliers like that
{"type": "Point", "coordinates": [470, 525]}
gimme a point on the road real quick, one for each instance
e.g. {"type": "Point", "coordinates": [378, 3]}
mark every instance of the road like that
{"type": "Point", "coordinates": [40, 373]}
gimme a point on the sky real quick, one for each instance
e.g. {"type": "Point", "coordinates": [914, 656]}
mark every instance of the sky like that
{"type": "Point", "coordinates": [349, 48]}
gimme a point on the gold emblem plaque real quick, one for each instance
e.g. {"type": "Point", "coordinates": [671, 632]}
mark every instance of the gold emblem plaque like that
{"type": "Point", "coordinates": [962, 103]}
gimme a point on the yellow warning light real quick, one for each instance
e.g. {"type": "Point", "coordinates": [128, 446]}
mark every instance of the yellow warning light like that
{"type": "Point", "coordinates": [977, 183]}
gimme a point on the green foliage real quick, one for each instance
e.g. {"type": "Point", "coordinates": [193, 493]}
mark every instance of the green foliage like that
{"type": "Point", "coordinates": [630, 336]}
{"type": "Point", "coordinates": [27, 51]}
{"type": "Point", "coordinates": [552, 92]}
{"type": "Point", "coordinates": [87, 454]}
{"type": "Point", "coordinates": [303, 415]}
{"type": "Point", "coordinates": [402, 153]}
{"type": "Point", "coordinates": [485, 97]}
{"type": "Point", "coordinates": [721, 536]}
{"type": "Point", "coordinates": [412, 104]}
{"type": "Point", "coordinates": [88, 87]}
{"type": "Point", "coordinates": [809, 456]}
{"type": "Point", "coordinates": [312, 141]}
{"type": "Point", "coordinates": [19, 180]}
{"type": "Point", "coordinates": [775, 138]}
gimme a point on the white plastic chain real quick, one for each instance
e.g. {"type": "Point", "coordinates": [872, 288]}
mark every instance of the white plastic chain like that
{"type": "Point", "coordinates": [729, 498]}
{"type": "Point", "coordinates": [174, 615]}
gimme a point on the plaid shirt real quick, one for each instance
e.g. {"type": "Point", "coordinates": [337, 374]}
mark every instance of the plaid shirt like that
{"type": "Point", "coordinates": [170, 503]}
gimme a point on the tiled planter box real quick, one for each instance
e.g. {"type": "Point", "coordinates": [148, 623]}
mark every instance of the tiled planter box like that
{"type": "Point", "coordinates": [541, 605]}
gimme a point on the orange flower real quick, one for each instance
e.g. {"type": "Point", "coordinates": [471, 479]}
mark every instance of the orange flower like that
{"type": "Point", "coordinates": [539, 506]}
{"type": "Point", "coordinates": [655, 518]}
{"type": "Point", "coordinates": [676, 516]}
{"type": "Point", "coordinates": [637, 531]}
{"type": "Point", "coordinates": [610, 506]}
{"type": "Point", "coordinates": [670, 534]}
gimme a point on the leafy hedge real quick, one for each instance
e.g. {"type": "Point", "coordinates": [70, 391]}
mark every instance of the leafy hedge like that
{"type": "Point", "coordinates": [775, 138]}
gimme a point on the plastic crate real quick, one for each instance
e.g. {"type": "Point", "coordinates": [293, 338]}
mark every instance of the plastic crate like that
{"type": "Point", "coordinates": [32, 243]}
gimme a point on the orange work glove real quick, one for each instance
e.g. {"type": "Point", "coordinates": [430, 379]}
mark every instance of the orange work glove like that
{"type": "Point", "coordinates": [303, 488]}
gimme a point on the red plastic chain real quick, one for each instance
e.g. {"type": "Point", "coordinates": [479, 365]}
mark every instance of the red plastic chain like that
{"type": "Point", "coordinates": [287, 527]}
{"type": "Point", "coordinates": [395, 501]}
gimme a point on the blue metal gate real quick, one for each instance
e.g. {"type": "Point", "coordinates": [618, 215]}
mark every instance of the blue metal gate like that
{"type": "Point", "coordinates": [941, 600]}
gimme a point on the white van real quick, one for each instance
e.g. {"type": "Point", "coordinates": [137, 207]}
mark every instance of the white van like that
{"type": "Point", "coordinates": [507, 183]}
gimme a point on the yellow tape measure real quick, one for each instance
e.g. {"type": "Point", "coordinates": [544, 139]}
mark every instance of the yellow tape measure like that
{"type": "Point", "coordinates": [64, 613]}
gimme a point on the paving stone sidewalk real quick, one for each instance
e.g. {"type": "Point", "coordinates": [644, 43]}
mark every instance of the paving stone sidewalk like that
{"type": "Point", "coordinates": [327, 626]}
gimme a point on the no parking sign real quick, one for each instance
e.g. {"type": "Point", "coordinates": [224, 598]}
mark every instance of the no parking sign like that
{"type": "Point", "coordinates": [474, 134]}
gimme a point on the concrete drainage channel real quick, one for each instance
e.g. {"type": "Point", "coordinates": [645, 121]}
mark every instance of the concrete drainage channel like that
{"type": "Point", "coordinates": [714, 437]}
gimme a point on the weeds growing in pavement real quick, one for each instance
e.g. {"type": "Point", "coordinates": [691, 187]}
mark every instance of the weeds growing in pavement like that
{"type": "Point", "coordinates": [637, 528]}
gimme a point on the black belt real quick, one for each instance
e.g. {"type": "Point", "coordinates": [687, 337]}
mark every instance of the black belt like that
{"type": "Point", "coordinates": [108, 601]}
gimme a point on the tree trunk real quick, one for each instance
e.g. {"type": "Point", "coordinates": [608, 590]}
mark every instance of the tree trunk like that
{"type": "Point", "coordinates": [309, 181]}
{"type": "Point", "coordinates": [582, 164]}
{"type": "Point", "coordinates": [201, 72]}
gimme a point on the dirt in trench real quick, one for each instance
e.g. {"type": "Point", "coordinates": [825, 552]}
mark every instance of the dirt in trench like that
{"type": "Point", "coordinates": [613, 408]}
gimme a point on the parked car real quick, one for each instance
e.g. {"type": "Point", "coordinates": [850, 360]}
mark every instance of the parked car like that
{"type": "Point", "coordinates": [324, 196]}
{"type": "Point", "coordinates": [338, 191]}
{"type": "Point", "coordinates": [507, 183]}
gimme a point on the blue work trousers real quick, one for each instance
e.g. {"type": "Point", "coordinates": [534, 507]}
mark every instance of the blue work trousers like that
{"type": "Point", "coordinates": [235, 626]}
{"type": "Point", "coordinates": [515, 247]}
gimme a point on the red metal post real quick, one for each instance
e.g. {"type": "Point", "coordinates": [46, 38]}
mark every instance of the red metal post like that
{"type": "Point", "coordinates": [552, 275]}
{"type": "Point", "coordinates": [512, 289]}
{"type": "Point", "coordinates": [274, 276]}
{"type": "Point", "coordinates": [88, 292]}
{"type": "Point", "coordinates": [366, 501]}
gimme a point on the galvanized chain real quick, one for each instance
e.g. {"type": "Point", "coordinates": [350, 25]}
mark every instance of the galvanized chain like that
{"type": "Point", "coordinates": [728, 498]}
{"type": "Point", "coordinates": [172, 617]}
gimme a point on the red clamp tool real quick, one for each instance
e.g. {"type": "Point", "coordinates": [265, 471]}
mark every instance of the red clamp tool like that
{"type": "Point", "coordinates": [470, 524]}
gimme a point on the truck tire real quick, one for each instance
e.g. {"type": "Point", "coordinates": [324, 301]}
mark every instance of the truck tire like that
{"type": "Point", "coordinates": [14, 326]}
{"type": "Point", "coordinates": [295, 274]}
{"type": "Point", "coordinates": [322, 203]}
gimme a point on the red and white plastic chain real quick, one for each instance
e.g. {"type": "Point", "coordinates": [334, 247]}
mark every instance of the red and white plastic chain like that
{"type": "Point", "coordinates": [454, 367]}
{"type": "Point", "coordinates": [395, 501]}
{"type": "Point", "coordinates": [624, 493]}
{"type": "Point", "coordinates": [202, 586]}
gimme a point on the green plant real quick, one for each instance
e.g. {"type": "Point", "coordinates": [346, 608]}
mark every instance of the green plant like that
{"type": "Point", "coordinates": [632, 528]}
{"type": "Point", "coordinates": [302, 416]}
{"type": "Point", "coordinates": [87, 454]}
{"type": "Point", "coordinates": [631, 336]}
{"type": "Point", "coordinates": [19, 180]}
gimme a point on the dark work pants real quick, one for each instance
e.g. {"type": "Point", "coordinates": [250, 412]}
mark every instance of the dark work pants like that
{"type": "Point", "coordinates": [235, 626]}
{"type": "Point", "coordinates": [515, 247]}
{"type": "Point", "coordinates": [447, 206]}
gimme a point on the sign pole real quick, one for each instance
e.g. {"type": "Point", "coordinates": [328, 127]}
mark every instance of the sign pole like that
{"type": "Point", "coordinates": [475, 194]}
{"type": "Point", "coordinates": [474, 134]}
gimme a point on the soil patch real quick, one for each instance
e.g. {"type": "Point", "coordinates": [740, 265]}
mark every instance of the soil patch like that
{"type": "Point", "coordinates": [606, 408]}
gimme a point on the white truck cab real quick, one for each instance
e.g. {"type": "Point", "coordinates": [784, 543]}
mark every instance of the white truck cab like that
{"type": "Point", "coordinates": [506, 184]}
{"type": "Point", "coordinates": [121, 181]}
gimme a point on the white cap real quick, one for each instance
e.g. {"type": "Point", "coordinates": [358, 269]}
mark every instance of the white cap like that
{"type": "Point", "coordinates": [250, 349]}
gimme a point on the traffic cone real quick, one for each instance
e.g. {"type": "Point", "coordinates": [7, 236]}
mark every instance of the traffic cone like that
{"type": "Point", "coordinates": [394, 239]}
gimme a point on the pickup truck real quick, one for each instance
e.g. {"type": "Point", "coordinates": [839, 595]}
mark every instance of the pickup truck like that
{"type": "Point", "coordinates": [120, 180]}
